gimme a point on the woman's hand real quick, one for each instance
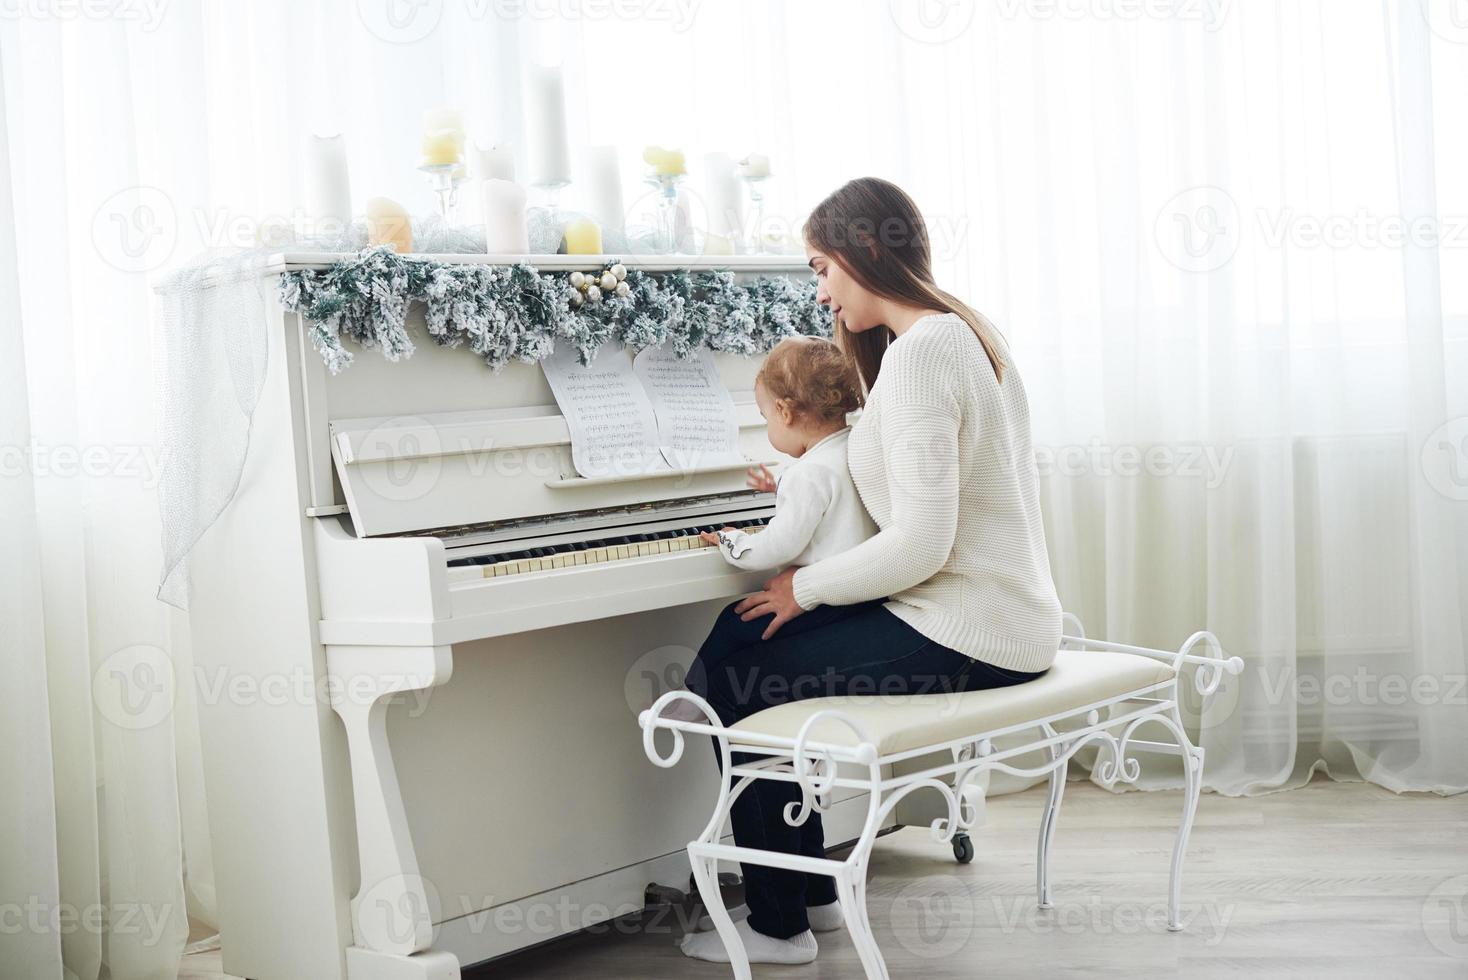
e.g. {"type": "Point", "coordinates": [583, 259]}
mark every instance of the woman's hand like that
{"type": "Point", "coordinates": [778, 598]}
{"type": "Point", "coordinates": [759, 478]}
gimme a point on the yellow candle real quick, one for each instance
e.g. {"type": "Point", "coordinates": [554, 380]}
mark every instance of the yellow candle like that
{"type": "Point", "coordinates": [665, 163]}
{"type": "Point", "coordinates": [583, 237]}
{"type": "Point", "coordinates": [388, 224]}
{"type": "Point", "coordinates": [443, 137]}
{"type": "Point", "coordinates": [756, 165]}
{"type": "Point", "coordinates": [441, 146]}
{"type": "Point", "coordinates": [717, 245]}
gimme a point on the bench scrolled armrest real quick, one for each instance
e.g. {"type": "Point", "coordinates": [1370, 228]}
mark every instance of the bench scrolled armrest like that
{"type": "Point", "coordinates": [1211, 665]}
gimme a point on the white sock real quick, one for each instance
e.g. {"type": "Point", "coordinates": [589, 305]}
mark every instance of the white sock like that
{"type": "Point", "coordinates": [823, 918]}
{"type": "Point", "coordinates": [759, 947]}
{"type": "Point", "coordinates": [706, 921]}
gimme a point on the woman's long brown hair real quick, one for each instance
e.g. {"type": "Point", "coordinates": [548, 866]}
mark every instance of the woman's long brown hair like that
{"type": "Point", "coordinates": [875, 231]}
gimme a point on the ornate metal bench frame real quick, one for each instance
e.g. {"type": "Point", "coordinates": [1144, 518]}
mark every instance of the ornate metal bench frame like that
{"type": "Point", "coordinates": [812, 766]}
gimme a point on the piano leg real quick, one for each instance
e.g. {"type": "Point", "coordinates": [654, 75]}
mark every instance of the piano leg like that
{"type": "Point", "coordinates": [392, 913]}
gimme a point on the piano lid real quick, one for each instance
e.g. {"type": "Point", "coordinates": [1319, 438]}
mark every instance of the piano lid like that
{"type": "Point", "coordinates": [418, 473]}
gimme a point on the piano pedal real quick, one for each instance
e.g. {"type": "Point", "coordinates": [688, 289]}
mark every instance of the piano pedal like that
{"type": "Point", "coordinates": [662, 896]}
{"type": "Point", "coordinates": [731, 887]}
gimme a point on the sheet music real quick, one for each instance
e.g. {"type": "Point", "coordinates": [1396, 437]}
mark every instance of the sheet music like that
{"type": "Point", "coordinates": [696, 420]}
{"type": "Point", "coordinates": [613, 429]}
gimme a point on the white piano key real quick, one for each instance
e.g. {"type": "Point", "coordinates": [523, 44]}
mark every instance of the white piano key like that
{"type": "Point", "coordinates": [599, 555]}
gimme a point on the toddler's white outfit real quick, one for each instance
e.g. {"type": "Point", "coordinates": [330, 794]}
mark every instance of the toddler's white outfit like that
{"type": "Point", "coordinates": [818, 513]}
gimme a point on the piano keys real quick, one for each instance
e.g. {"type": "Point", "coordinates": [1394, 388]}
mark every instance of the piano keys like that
{"type": "Point", "coordinates": [655, 541]}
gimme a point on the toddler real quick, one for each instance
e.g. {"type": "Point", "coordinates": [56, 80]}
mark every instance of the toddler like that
{"type": "Point", "coordinates": [804, 390]}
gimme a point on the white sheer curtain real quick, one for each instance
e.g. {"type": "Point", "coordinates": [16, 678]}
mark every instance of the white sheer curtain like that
{"type": "Point", "coordinates": [1208, 230]}
{"type": "Point", "coordinates": [1250, 395]}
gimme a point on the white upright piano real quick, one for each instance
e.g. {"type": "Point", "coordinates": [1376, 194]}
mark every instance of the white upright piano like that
{"type": "Point", "coordinates": [479, 784]}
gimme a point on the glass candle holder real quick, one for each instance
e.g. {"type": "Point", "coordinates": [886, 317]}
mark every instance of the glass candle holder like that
{"type": "Point", "coordinates": [444, 179]}
{"type": "Point", "coordinates": [549, 194]}
{"type": "Point", "coordinates": [752, 184]}
{"type": "Point", "coordinates": [666, 186]}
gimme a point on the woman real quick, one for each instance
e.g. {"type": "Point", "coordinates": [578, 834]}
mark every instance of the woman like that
{"type": "Point", "coordinates": [952, 594]}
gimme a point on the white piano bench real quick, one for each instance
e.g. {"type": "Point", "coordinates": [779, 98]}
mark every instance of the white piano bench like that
{"type": "Point", "coordinates": [1094, 690]}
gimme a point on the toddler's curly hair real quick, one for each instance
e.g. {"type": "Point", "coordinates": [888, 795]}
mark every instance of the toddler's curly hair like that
{"type": "Point", "coordinates": [816, 379]}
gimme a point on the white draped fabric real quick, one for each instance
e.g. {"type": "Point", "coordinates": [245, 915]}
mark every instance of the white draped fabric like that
{"type": "Point", "coordinates": [1227, 241]}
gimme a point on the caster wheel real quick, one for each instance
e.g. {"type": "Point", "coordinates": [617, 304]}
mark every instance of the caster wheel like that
{"type": "Point", "coordinates": [963, 849]}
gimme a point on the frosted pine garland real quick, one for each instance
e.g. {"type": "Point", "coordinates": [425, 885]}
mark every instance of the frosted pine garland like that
{"type": "Point", "coordinates": [505, 313]}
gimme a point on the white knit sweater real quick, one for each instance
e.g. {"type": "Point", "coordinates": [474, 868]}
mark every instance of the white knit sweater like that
{"type": "Point", "coordinates": [818, 513]}
{"type": "Point", "coordinates": [943, 460]}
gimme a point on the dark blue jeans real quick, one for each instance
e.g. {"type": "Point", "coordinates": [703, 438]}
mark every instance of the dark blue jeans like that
{"type": "Point", "coordinates": [827, 652]}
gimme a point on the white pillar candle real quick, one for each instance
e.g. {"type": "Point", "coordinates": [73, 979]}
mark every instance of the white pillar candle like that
{"type": "Point", "coordinates": [504, 217]}
{"type": "Point", "coordinates": [545, 115]}
{"type": "Point", "coordinates": [603, 183]}
{"type": "Point", "coordinates": [328, 187]}
{"type": "Point", "coordinates": [494, 163]}
{"type": "Point", "coordinates": [723, 195]}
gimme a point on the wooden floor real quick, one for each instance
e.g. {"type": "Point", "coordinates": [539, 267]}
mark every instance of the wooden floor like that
{"type": "Point", "coordinates": [1332, 880]}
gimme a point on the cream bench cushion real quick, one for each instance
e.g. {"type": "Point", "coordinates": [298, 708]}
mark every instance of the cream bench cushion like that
{"type": "Point", "coordinates": [901, 723]}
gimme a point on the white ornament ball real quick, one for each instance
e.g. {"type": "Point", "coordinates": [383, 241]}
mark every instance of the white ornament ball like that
{"type": "Point", "coordinates": [620, 271]}
{"type": "Point", "coordinates": [575, 299]}
{"type": "Point", "coordinates": [623, 289]}
{"type": "Point", "coordinates": [593, 293]}
{"type": "Point", "coordinates": [578, 279]}
{"type": "Point", "coordinates": [608, 281]}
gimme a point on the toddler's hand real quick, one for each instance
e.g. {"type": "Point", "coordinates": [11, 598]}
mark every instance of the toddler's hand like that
{"type": "Point", "coordinates": [760, 478]}
{"type": "Point", "coordinates": [712, 537]}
